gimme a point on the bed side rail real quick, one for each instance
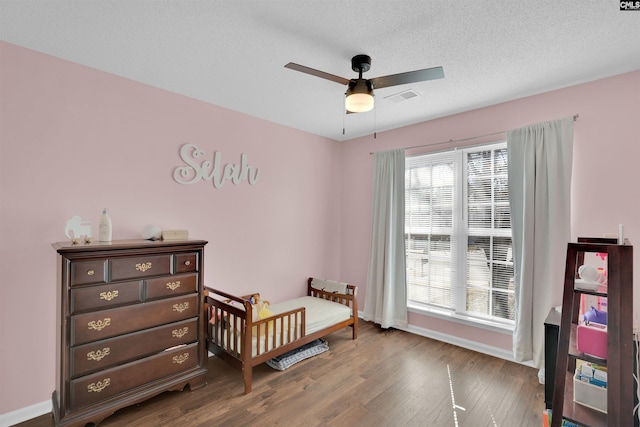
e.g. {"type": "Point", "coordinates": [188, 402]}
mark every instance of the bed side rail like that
{"type": "Point", "coordinates": [231, 330]}
{"type": "Point", "coordinates": [279, 330]}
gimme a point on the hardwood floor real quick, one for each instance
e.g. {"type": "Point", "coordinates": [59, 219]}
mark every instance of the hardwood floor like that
{"type": "Point", "coordinates": [384, 378]}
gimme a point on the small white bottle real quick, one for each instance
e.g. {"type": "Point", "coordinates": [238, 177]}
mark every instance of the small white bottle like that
{"type": "Point", "coordinates": [105, 227]}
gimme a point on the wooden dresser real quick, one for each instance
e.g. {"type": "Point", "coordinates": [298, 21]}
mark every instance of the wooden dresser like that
{"type": "Point", "coordinates": [130, 325]}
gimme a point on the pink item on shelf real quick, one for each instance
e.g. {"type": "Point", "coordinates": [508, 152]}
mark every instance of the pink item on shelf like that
{"type": "Point", "coordinates": [592, 340]}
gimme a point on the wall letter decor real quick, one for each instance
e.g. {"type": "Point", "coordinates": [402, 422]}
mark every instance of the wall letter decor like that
{"type": "Point", "coordinates": [198, 169]}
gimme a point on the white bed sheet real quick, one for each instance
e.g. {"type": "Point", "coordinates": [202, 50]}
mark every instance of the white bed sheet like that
{"type": "Point", "coordinates": [320, 313]}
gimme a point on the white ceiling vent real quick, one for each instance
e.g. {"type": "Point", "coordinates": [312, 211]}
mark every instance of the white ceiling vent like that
{"type": "Point", "coordinates": [402, 96]}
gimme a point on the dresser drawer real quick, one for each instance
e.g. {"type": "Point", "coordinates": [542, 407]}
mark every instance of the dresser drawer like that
{"type": "Point", "coordinates": [143, 266]}
{"type": "Point", "coordinates": [102, 385]}
{"type": "Point", "coordinates": [89, 327]}
{"type": "Point", "coordinates": [171, 285]}
{"type": "Point", "coordinates": [104, 296]}
{"type": "Point", "coordinates": [86, 272]}
{"type": "Point", "coordinates": [114, 351]}
{"type": "Point", "coordinates": [186, 263]}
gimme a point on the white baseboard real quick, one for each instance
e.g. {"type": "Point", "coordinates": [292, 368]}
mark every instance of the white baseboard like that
{"type": "Point", "coordinates": [465, 343]}
{"type": "Point", "coordinates": [25, 414]}
{"type": "Point", "coordinates": [462, 342]}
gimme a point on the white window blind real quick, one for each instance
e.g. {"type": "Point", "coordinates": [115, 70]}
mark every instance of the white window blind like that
{"type": "Point", "coordinates": [429, 221]}
{"type": "Point", "coordinates": [458, 232]}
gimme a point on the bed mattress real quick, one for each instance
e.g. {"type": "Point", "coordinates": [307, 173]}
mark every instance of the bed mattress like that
{"type": "Point", "coordinates": [320, 313]}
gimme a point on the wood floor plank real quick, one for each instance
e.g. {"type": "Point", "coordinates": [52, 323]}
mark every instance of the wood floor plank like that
{"type": "Point", "coordinates": [384, 378]}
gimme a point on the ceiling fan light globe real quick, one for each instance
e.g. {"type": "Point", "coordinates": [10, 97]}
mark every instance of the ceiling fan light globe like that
{"type": "Point", "coordinates": [359, 102]}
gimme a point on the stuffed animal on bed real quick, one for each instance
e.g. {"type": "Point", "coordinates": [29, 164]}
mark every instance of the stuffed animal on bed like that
{"type": "Point", "coordinates": [264, 312]}
{"type": "Point", "coordinates": [260, 310]}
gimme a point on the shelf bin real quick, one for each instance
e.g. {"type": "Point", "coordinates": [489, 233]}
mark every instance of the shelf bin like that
{"type": "Point", "coordinates": [589, 395]}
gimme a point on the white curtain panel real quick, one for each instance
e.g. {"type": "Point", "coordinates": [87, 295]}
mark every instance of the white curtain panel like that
{"type": "Point", "coordinates": [385, 302]}
{"type": "Point", "coordinates": [540, 162]}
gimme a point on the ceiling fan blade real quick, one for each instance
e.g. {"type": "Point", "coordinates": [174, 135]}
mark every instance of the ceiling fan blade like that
{"type": "Point", "coordinates": [408, 77]}
{"type": "Point", "coordinates": [317, 73]}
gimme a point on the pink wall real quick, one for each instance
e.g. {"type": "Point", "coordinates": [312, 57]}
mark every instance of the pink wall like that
{"type": "Point", "coordinates": [75, 140]}
{"type": "Point", "coordinates": [605, 172]}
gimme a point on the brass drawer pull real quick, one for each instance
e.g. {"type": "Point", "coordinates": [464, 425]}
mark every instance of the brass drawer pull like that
{"type": "Point", "coordinates": [98, 354]}
{"type": "Point", "coordinates": [109, 295]}
{"type": "Point", "coordinates": [180, 307]}
{"type": "Point", "coordinates": [181, 358]}
{"type": "Point", "coordinates": [143, 266]}
{"type": "Point", "coordinates": [173, 285]}
{"type": "Point", "coordinates": [98, 325]}
{"type": "Point", "coordinates": [90, 272]}
{"type": "Point", "coordinates": [99, 386]}
{"type": "Point", "coordinates": [179, 333]}
{"type": "Point", "coordinates": [187, 263]}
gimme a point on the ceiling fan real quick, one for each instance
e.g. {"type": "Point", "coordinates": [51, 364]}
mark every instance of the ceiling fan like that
{"type": "Point", "coordinates": [359, 94]}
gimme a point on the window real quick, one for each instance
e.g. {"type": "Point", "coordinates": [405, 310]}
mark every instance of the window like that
{"type": "Point", "coordinates": [458, 233]}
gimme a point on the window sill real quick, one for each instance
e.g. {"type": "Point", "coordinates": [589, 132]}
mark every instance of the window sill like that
{"type": "Point", "coordinates": [464, 320]}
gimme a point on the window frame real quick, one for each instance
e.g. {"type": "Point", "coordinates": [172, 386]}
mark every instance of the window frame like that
{"type": "Point", "coordinates": [462, 232]}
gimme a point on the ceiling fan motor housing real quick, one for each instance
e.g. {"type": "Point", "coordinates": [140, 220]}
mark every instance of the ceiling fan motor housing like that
{"type": "Point", "coordinates": [360, 86]}
{"type": "Point", "coordinates": [361, 63]}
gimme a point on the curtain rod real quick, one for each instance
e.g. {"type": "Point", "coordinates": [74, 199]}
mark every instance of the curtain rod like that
{"type": "Point", "coordinates": [575, 117]}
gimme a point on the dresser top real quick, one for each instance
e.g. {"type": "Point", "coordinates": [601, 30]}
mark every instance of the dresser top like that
{"type": "Point", "coordinates": [68, 247]}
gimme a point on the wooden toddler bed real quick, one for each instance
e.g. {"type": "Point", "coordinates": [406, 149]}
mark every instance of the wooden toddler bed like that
{"type": "Point", "coordinates": [234, 327]}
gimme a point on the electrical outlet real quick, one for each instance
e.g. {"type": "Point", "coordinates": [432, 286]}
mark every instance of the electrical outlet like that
{"type": "Point", "coordinates": [636, 327]}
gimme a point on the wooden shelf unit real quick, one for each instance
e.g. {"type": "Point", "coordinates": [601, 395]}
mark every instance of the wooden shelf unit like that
{"type": "Point", "coordinates": [619, 294]}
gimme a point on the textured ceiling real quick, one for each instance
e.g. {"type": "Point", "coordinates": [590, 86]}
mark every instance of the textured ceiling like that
{"type": "Point", "coordinates": [232, 53]}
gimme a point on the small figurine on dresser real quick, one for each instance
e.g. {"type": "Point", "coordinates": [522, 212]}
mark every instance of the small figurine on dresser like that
{"type": "Point", "coordinates": [78, 231]}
